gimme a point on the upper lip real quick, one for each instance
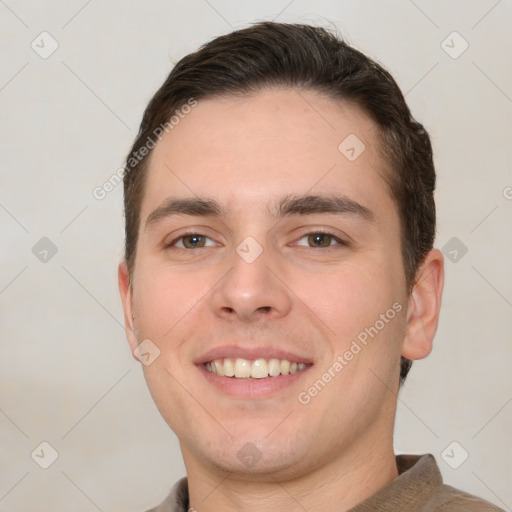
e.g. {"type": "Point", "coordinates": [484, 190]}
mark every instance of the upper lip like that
{"type": "Point", "coordinates": [251, 353]}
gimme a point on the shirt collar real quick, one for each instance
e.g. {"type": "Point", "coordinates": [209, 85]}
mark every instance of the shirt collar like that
{"type": "Point", "coordinates": [418, 479]}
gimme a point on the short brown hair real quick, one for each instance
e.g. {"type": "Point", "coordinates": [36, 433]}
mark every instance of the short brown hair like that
{"type": "Point", "coordinates": [304, 57]}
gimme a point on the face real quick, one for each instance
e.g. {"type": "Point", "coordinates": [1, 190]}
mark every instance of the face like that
{"type": "Point", "coordinates": [269, 251]}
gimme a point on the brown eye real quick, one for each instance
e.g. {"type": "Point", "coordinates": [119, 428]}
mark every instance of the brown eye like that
{"type": "Point", "coordinates": [191, 241]}
{"type": "Point", "coordinates": [320, 240]}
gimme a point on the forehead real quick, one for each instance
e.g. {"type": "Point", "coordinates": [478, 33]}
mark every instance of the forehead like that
{"type": "Point", "coordinates": [248, 151]}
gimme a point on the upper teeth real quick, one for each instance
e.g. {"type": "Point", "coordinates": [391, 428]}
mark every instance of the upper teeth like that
{"type": "Point", "coordinates": [257, 369]}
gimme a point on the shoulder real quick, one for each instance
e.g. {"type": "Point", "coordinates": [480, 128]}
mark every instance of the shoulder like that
{"type": "Point", "coordinates": [449, 499]}
{"type": "Point", "coordinates": [420, 483]}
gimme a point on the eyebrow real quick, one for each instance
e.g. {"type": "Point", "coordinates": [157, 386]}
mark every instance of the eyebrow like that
{"type": "Point", "coordinates": [310, 204]}
{"type": "Point", "coordinates": [287, 206]}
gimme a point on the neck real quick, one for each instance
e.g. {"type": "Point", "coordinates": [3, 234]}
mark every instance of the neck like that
{"type": "Point", "coordinates": [339, 485]}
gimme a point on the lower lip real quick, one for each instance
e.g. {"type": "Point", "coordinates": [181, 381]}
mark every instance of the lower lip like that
{"type": "Point", "coordinates": [252, 388]}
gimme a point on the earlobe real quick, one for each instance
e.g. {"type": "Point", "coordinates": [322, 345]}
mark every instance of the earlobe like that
{"type": "Point", "coordinates": [126, 292]}
{"type": "Point", "coordinates": [424, 306]}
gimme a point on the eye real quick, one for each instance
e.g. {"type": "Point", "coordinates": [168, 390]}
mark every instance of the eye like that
{"type": "Point", "coordinates": [320, 240]}
{"type": "Point", "coordinates": [191, 241]}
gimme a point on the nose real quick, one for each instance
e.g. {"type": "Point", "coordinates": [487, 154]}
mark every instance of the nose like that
{"type": "Point", "coordinates": [252, 290]}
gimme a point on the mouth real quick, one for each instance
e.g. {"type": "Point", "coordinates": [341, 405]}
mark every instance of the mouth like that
{"type": "Point", "coordinates": [252, 373]}
{"type": "Point", "coordinates": [239, 368]}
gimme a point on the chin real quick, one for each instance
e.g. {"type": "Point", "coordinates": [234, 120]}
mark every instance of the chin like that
{"type": "Point", "coordinates": [247, 459]}
{"type": "Point", "coordinates": [277, 467]}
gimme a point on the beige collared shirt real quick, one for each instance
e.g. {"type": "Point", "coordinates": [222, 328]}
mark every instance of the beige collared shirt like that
{"type": "Point", "coordinates": [418, 488]}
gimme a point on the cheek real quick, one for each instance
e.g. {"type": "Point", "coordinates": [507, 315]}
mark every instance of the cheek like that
{"type": "Point", "coordinates": [165, 303]}
{"type": "Point", "coordinates": [163, 298]}
{"type": "Point", "coordinates": [350, 298]}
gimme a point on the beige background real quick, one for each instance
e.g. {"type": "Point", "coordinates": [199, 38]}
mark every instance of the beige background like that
{"type": "Point", "coordinates": [67, 376]}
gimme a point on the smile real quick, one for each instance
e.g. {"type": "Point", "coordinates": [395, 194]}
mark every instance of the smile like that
{"type": "Point", "coordinates": [240, 368]}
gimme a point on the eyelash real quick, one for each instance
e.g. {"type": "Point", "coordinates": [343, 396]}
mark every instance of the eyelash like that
{"type": "Point", "coordinates": [192, 233]}
{"type": "Point", "coordinates": [325, 233]}
{"type": "Point", "coordinates": [339, 241]}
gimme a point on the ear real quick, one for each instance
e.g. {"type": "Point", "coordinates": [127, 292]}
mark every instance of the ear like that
{"type": "Point", "coordinates": [424, 306]}
{"type": "Point", "coordinates": [126, 291]}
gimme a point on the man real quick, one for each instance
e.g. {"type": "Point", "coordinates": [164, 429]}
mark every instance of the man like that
{"type": "Point", "coordinates": [280, 275]}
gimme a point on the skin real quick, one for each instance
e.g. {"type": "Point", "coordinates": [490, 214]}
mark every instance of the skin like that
{"type": "Point", "coordinates": [247, 153]}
